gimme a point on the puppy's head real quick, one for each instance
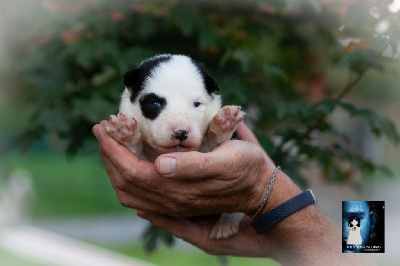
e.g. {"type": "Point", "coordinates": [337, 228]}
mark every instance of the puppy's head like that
{"type": "Point", "coordinates": [354, 224]}
{"type": "Point", "coordinates": [173, 99]}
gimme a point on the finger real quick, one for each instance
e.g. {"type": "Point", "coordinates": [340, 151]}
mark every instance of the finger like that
{"type": "Point", "coordinates": [120, 183]}
{"type": "Point", "coordinates": [129, 200]}
{"type": "Point", "coordinates": [112, 172]}
{"type": "Point", "coordinates": [145, 200]}
{"type": "Point", "coordinates": [120, 156]}
{"type": "Point", "coordinates": [189, 165]}
{"type": "Point", "coordinates": [132, 196]}
{"type": "Point", "coordinates": [245, 133]}
{"type": "Point", "coordinates": [132, 193]}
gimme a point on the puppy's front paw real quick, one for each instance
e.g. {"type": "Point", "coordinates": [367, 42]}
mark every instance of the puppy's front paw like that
{"type": "Point", "coordinates": [225, 123]}
{"type": "Point", "coordinates": [227, 119]}
{"type": "Point", "coordinates": [125, 130]}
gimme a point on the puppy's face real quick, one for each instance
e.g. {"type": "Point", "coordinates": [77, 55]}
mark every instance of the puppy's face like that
{"type": "Point", "coordinates": [173, 99]}
{"type": "Point", "coordinates": [354, 225]}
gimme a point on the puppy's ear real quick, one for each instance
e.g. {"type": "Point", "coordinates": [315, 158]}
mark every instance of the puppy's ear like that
{"type": "Point", "coordinates": [131, 77]}
{"type": "Point", "coordinates": [210, 83]}
{"type": "Point", "coordinates": [133, 80]}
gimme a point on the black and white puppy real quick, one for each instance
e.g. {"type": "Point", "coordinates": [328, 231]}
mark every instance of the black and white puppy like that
{"type": "Point", "coordinates": [354, 237]}
{"type": "Point", "coordinates": [171, 104]}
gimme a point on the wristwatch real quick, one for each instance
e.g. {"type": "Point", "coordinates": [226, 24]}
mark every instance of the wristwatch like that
{"type": "Point", "coordinates": [284, 210]}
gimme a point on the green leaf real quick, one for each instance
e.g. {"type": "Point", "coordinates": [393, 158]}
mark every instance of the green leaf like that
{"type": "Point", "coordinates": [291, 109]}
{"type": "Point", "coordinates": [53, 119]}
{"type": "Point", "coordinates": [94, 109]}
{"type": "Point", "coordinates": [326, 106]}
{"type": "Point", "coordinates": [377, 123]}
{"type": "Point", "coordinates": [272, 71]}
{"type": "Point", "coordinates": [361, 58]}
{"type": "Point", "coordinates": [103, 77]}
{"type": "Point", "coordinates": [153, 235]}
{"type": "Point", "coordinates": [244, 57]}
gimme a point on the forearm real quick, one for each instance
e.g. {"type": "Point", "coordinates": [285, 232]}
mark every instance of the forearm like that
{"type": "Point", "coordinates": [307, 237]}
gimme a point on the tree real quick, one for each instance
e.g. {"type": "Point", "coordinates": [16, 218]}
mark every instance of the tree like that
{"type": "Point", "coordinates": [274, 58]}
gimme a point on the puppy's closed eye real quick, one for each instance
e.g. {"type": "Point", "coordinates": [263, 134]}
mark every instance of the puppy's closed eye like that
{"type": "Point", "coordinates": [152, 105]}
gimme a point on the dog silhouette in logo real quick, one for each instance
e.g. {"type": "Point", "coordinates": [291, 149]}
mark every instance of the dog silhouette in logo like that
{"type": "Point", "coordinates": [354, 232]}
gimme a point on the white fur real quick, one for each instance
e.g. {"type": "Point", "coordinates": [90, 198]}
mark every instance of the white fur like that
{"type": "Point", "coordinates": [354, 237]}
{"type": "Point", "coordinates": [181, 84]}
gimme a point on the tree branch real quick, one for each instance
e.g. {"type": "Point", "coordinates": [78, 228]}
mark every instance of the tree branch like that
{"type": "Point", "coordinates": [352, 83]}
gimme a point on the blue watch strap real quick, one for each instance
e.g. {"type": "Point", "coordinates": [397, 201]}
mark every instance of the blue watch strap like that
{"type": "Point", "coordinates": [284, 210]}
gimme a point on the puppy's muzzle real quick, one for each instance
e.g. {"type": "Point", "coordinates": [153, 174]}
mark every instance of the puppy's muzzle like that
{"type": "Point", "coordinates": [180, 134]}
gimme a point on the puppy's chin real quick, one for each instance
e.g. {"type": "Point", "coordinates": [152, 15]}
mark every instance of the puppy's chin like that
{"type": "Point", "coordinates": [179, 148]}
{"type": "Point", "coordinates": [175, 147]}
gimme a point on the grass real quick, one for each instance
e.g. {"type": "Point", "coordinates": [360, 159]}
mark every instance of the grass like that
{"type": "Point", "coordinates": [74, 187]}
{"type": "Point", "coordinates": [177, 256]}
{"type": "Point", "coordinates": [162, 257]}
{"type": "Point", "coordinates": [9, 259]}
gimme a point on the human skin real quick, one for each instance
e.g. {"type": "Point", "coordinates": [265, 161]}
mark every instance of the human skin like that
{"type": "Point", "coordinates": [233, 177]}
{"type": "Point", "coordinates": [210, 185]}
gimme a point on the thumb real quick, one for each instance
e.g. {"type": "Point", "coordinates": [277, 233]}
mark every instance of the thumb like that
{"type": "Point", "coordinates": [188, 165]}
{"type": "Point", "coordinates": [245, 133]}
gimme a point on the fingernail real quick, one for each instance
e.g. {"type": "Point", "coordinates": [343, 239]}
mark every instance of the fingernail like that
{"type": "Point", "coordinates": [167, 165]}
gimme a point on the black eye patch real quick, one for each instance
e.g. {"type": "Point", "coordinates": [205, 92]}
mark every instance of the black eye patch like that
{"type": "Point", "coordinates": [152, 105]}
{"type": "Point", "coordinates": [354, 219]}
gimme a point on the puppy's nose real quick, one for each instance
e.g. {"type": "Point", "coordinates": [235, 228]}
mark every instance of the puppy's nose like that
{"type": "Point", "coordinates": [180, 134]}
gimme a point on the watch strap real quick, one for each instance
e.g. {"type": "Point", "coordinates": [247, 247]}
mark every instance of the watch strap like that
{"type": "Point", "coordinates": [284, 210]}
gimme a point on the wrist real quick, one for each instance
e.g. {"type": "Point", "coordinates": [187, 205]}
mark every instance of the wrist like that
{"type": "Point", "coordinates": [282, 189]}
{"type": "Point", "coordinates": [288, 250]}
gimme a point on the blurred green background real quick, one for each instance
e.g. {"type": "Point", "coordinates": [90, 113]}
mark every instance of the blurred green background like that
{"type": "Point", "coordinates": [318, 80]}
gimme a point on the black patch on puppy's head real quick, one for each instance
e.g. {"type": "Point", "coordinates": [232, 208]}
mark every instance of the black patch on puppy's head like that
{"type": "Point", "coordinates": [356, 219]}
{"type": "Point", "coordinates": [134, 78]}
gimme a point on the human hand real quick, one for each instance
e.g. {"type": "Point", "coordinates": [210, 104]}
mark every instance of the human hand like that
{"type": "Point", "coordinates": [197, 232]}
{"type": "Point", "coordinates": [231, 178]}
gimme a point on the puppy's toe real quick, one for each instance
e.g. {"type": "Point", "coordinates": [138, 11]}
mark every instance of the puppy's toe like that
{"type": "Point", "coordinates": [228, 118]}
{"type": "Point", "coordinates": [123, 129]}
{"type": "Point", "coordinates": [131, 124]}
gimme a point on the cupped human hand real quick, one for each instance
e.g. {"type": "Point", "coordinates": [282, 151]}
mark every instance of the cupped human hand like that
{"type": "Point", "coordinates": [231, 178]}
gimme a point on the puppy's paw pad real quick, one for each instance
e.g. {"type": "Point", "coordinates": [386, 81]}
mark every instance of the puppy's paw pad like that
{"type": "Point", "coordinates": [224, 229]}
{"type": "Point", "coordinates": [227, 119]}
{"type": "Point", "coordinates": [123, 129]}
